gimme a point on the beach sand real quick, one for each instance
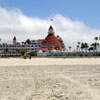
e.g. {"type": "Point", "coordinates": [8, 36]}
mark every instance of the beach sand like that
{"type": "Point", "coordinates": [50, 79]}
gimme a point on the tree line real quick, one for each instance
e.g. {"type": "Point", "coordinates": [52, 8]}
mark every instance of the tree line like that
{"type": "Point", "coordinates": [85, 46]}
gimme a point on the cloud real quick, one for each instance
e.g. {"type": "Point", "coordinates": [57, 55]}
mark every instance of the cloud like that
{"type": "Point", "coordinates": [15, 23]}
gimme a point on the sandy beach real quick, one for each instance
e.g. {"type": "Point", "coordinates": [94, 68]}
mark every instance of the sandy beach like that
{"type": "Point", "coordinates": [50, 79]}
{"type": "Point", "coordinates": [48, 61]}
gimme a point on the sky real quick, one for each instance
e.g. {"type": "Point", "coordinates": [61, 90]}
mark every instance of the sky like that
{"type": "Point", "coordinates": [73, 20]}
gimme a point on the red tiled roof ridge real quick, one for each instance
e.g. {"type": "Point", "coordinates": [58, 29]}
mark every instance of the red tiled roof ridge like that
{"type": "Point", "coordinates": [50, 28]}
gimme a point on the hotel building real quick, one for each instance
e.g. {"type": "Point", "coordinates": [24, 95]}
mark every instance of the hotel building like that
{"type": "Point", "coordinates": [48, 44]}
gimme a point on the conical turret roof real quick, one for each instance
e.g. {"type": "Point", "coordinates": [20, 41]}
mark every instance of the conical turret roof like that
{"type": "Point", "coordinates": [14, 38]}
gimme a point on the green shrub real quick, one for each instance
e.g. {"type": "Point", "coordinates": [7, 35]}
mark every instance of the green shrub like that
{"type": "Point", "coordinates": [22, 52]}
{"type": "Point", "coordinates": [32, 53]}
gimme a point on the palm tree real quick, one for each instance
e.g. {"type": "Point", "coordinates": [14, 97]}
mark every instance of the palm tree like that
{"type": "Point", "coordinates": [82, 46]}
{"type": "Point", "coordinates": [99, 44]}
{"type": "Point", "coordinates": [28, 41]}
{"type": "Point", "coordinates": [61, 41]}
{"type": "Point", "coordinates": [22, 43]}
{"type": "Point", "coordinates": [94, 45]}
{"type": "Point", "coordinates": [70, 48]}
{"type": "Point", "coordinates": [79, 45]}
{"type": "Point", "coordinates": [90, 49]}
{"type": "Point", "coordinates": [96, 38]}
{"type": "Point", "coordinates": [86, 46]}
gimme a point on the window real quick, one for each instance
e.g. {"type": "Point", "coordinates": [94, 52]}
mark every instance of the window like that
{"type": "Point", "coordinates": [32, 46]}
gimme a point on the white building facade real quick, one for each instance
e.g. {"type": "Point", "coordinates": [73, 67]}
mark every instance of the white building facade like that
{"type": "Point", "coordinates": [33, 46]}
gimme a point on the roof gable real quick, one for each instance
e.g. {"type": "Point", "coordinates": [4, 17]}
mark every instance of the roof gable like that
{"type": "Point", "coordinates": [51, 39]}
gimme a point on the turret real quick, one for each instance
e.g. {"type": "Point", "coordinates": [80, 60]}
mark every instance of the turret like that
{"type": "Point", "coordinates": [50, 30]}
{"type": "Point", "coordinates": [14, 40]}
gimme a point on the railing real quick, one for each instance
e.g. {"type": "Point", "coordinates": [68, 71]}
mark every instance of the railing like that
{"type": "Point", "coordinates": [68, 54]}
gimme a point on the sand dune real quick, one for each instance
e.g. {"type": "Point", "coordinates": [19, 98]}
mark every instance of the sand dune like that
{"type": "Point", "coordinates": [50, 79]}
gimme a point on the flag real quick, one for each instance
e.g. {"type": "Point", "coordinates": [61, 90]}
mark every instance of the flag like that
{"type": "Point", "coordinates": [51, 19]}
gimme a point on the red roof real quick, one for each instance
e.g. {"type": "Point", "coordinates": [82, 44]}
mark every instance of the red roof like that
{"type": "Point", "coordinates": [14, 44]}
{"type": "Point", "coordinates": [50, 28]}
{"type": "Point", "coordinates": [59, 48]}
{"type": "Point", "coordinates": [46, 48]}
{"type": "Point", "coordinates": [51, 39]}
{"type": "Point", "coordinates": [51, 48]}
{"type": "Point", "coordinates": [51, 42]}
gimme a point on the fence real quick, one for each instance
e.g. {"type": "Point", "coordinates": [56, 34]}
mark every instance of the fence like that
{"type": "Point", "coordinates": [43, 54]}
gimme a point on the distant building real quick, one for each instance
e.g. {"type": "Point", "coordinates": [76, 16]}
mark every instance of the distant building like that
{"type": "Point", "coordinates": [12, 48]}
{"type": "Point", "coordinates": [34, 45]}
{"type": "Point", "coordinates": [51, 42]}
{"type": "Point", "coordinates": [15, 41]}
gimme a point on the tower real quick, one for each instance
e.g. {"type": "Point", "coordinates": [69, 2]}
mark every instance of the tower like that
{"type": "Point", "coordinates": [51, 42]}
{"type": "Point", "coordinates": [14, 40]}
{"type": "Point", "coordinates": [50, 30]}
